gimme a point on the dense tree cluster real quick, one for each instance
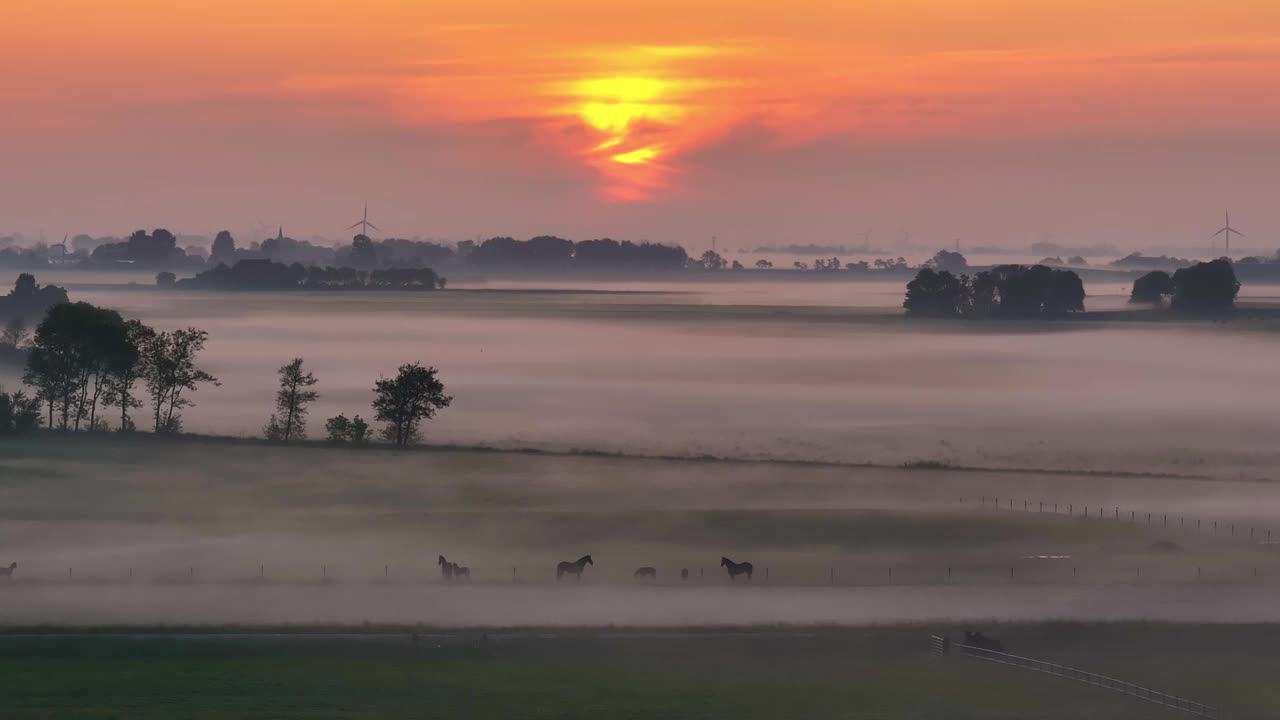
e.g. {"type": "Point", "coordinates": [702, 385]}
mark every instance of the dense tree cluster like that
{"type": "Point", "coordinates": [84, 359]}
{"type": "Point", "coordinates": [269, 275]}
{"type": "Point", "coordinates": [156, 250]}
{"type": "Point", "coordinates": [29, 301]}
{"type": "Point", "coordinates": [1152, 289]}
{"type": "Point", "coordinates": [1005, 292]}
{"type": "Point", "coordinates": [1207, 287]}
{"type": "Point", "coordinates": [548, 252]}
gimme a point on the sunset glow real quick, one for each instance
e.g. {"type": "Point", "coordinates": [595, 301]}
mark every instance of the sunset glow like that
{"type": "Point", "coordinates": [637, 103]}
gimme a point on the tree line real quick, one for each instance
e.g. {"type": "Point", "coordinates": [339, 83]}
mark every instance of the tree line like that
{"type": "Point", "coordinates": [1207, 287]}
{"type": "Point", "coordinates": [414, 395]}
{"type": "Point", "coordinates": [270, 275]}
{"type": "Point", "coordinates": [87, 363]}
{"type": "Point", "coordinates": [1003, 292]}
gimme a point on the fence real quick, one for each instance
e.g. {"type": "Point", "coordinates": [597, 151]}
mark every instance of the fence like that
{"type": "Point", "coordinates": [1166, 521]}
{"type": "Point", "coordinates": [943, 646]}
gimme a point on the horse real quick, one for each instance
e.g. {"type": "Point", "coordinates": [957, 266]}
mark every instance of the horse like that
{"type": "Point", "coordinates": [684, 573]}
{"type": "Point", "coordinates": [646, 572]}
{"type": "Point", "coordinates": [736, 569]}
{"type": "Point", "coordinates": [446, 568]}
{"type": "Point", "coordinates": [573, 568]}
{"type": "Point", "coordinates": [8, 571]}
{"type": "Point", "coordinates": [982, 642]}
{"type": "Point", "coordinates": [460, 572]}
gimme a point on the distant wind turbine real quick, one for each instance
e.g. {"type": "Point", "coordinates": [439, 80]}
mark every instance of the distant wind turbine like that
{"type": "Point", "coordinates": [1227, 230]}
{"type": "Point", "coordinates": [364, 223]}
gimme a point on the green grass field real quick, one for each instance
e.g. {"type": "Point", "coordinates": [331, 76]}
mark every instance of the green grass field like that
{"type": "Point", "coordinates": [845, 673]}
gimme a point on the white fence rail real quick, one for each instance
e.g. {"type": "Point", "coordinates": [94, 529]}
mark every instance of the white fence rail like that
{"type": "Point", "coordinates": [943, 646]}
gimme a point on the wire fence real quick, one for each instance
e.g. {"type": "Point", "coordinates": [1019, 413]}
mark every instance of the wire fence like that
{"type": "Point", "coordinates": [942, 646]}
{"type": "Point", "coordinates": [1223, 529]}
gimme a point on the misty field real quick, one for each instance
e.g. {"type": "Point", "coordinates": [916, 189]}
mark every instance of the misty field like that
{"type": "Point", "coordinates": [796, 371]}
{"type": "Point", "coordinates": [811, 673]}
{"type": "Point", "coordinates": [212, 531]}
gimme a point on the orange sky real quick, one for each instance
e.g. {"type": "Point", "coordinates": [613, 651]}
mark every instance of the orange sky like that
{"type": "Point", "coordinates": [632, 104]}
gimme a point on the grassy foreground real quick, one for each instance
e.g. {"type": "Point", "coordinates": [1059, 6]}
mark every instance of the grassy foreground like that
{"type": "Point", "coordinates": [858, 673]}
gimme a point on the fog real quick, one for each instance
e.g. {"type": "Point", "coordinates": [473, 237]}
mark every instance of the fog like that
{"type": "Point", "coordinates": [714, 369]}
{"type": "Point", "coordinates": [1171, 419]}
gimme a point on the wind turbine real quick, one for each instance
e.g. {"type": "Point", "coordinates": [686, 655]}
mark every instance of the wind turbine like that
{"type": "Point", "coordinates": [364, 223]}
{"type": "Point", "coordinates": [1227, 230]}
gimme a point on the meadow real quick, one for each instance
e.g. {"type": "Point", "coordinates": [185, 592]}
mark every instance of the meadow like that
{"type": "Point", "coordinates": [750, 673]}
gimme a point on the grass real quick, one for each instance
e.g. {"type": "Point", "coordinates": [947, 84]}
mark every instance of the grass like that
{"type": "Point", "coordinates": [822, 673]}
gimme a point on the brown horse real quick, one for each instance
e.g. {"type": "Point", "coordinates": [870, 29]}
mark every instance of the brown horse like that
{"type": "Point", "coordinates": [573, 568]}
{"type": "Point", "coordinates": [646, 572]}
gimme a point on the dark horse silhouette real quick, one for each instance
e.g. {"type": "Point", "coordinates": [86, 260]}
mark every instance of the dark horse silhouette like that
{"type": "Point", "coordinates": [453, 571]}
{"type": "Point", "coordinates": [982, 642]}
{"type": "Point", "coordinates": [8, 571]}
{"type": "Point", "coordinates": [736, 569]}
{"type": "Point", "coordinates": [573, 568]}
{"type": "Point", "coordinates": [647, 572]}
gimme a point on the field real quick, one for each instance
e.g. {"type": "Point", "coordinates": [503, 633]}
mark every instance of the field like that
{"type": "Point", "coordinates": [216, 531]}
{"type": "Point", "coordinates": [808, 672]}
{"type": "Point", "coordinates": [1102, 495]}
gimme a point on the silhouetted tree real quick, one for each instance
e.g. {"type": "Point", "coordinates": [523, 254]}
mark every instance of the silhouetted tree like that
{"type": "Point", "coordinates": [763, 265]}
{"type": "Point", "coordinates": [952, 262]}
{"type": "Point", "coordinates": [223, 249]}
{"type": "Point", "coordinates": [363, 254]}
{"type": "Point", "coordinates": [74, 351]}
{"type": "Point", "coordinates": [124, 375]}
{"type": "Point", "coordinates": [1209, 287]}
{"type": "Point", "coordinates": [165, 279]}
{"type": "Point", "coordinates": [343, 431]}
{"type": "Point", "coordinates": [19, 414]}
{"type": "Point", "coordinates": [15, 333]}
{"type": "Point", "coordinates": [292, 399]}
{"type": "Point", "coordinates": [936, 294]}
{"type": "Point", "coordinates": [712, 260]}
{"type": "Point", "coordinates": [169, 370]}
{"type": "Point", "coordinates": [29, 301]}
{"type": "Point", "coordinates": [1152, 288]}
{"type": "Point", "coordinates": [403, 402]}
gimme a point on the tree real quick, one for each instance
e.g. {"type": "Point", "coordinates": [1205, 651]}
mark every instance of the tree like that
{"type": "Point", "coordinates": [292, 399]}
{"type": "Point", "coordinates": [363, 253]}
{"type": "Point", "coordinates": [169, 370]}
{"type": "Point", "coordinates": [76, 348]}
{"type": "Point", "coordinates": [223, 250]}
{"type": "Point", "coordinates": [337, 427]}
{"type": "Point", "coordinates": [165, 279]}
{"type": "Point", "coordinates": [763, 265]}
{"type": "Point", "coordinates": [1209, 287]}
{"type": "Point", "coordinates": [936, 294]}
{"type": "Point", "coordinates": [952, 262]}
{"type": "Point", "coordinates": [403, 402]}
{"type": "Point", "coordinates": [712, 260]}
{"type": "Point", "coordinates": [15, 333]}
{"type": "Point", "coordinates": [19, 414]}
{"type": "Point", "coordinates": [124, 375]}
{"type": "Point", "coordinates": [1152, 288]}
{"type": "Point", "coordinates": [343, 431]}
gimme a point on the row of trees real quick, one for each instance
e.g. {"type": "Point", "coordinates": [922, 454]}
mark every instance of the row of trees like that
{"type": "Point", "coordinates": [403, 402]}
{"type": "Point", "coordinates": [1207, 287]}
{"type": "Point", "coordinates": [85, 359]}
{"type": "Point", "coordinates": [1005, 291]}
{"type": "Point", "coordinates": [269, 275]}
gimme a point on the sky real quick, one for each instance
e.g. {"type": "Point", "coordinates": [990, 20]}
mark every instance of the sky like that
{"type": "Point", "coordinates": [1135, 122]}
